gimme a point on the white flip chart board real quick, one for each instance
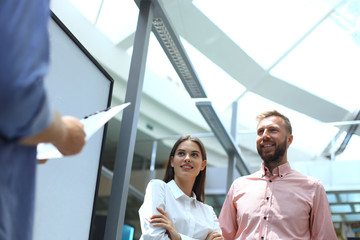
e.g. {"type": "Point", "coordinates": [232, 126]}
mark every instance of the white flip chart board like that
{"type": "Point", "coordinates": [66, 187]}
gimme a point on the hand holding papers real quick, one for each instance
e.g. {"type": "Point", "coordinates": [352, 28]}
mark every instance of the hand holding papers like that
{"type": "Point", "coordinates": [92, 123]}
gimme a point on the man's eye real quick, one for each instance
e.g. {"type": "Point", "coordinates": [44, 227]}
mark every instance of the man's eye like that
{"type": "Point", "coordinates": [260, 132]}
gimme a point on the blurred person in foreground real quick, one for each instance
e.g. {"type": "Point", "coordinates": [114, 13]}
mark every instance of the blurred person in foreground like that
{"type": "Point", "coordinates": [276, 202]}
{"type": "Point", "coordinates": [26, 117]}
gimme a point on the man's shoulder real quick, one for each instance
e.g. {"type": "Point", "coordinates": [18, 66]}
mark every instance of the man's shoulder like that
{"type": "Point", "coordinates": [306, 178]}
{"type": "Point", "coordinates": [246, 178]}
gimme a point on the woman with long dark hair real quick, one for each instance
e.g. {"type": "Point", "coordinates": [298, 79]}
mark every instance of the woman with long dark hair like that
{"type": "Point", "coordinates": [174, 208]}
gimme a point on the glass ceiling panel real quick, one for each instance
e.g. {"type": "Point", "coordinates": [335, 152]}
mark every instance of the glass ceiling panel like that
{"type": "Point", "coordinates": [326, 64]}
{"type": "Point", "coordinates": [357, 207]}
{"type": "Point", "coordinates": [118, 19]}
{"type": "Point", "coordinates": [322, 59]}
{"type": "Point", "coordinates": [89, 8]}
{"type": "Point", "coordinates": [345, 208]}
{"type": "Point", "coordinates": [352, 217]}
{"type": "Point", "coordinates": [331, 198]}
{"type": "Point", "coordinates": [337, 218]}
{"type": "Point", "coordinates": [349, 197]}
{"type": "Point", "coordinates": [347, 16]}
{"type": "Point", "coordinates": [265, 30]}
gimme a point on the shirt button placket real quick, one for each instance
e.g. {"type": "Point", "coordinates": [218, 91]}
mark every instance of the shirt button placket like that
{"type": "Point", "coordinates": [269, 192]}
{"type": "Point", "coordinates": [191, 219]}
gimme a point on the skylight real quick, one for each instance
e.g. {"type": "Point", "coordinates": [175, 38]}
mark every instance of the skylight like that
{"type": "Point", "coordinates": [265, 30]}
{"type": "Point", "coordinates": [326, 64]}
{"type": "Point", "coordinates": [116, 19]}
{"type": "Point", "coordinates": [90, 9]}
{"type": "Point", "coordinates": [318, 53]}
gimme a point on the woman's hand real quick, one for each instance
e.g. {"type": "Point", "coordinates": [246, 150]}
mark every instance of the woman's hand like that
{"type": "Point", "coordinates": [162, 220]}
{"type": "Point", "coordinates": [214, 236]}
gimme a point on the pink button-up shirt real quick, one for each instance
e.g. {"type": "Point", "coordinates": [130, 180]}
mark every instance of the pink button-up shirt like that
{"type": "Point", "coordinates": [283, 204]}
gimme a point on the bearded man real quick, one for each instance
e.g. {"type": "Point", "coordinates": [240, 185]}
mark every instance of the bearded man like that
{"type": "Point", "coordinates": [276, 202]}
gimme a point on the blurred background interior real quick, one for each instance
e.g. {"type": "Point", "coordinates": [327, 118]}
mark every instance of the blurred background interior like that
{"type": "Point", "coordinates": [299, 57]}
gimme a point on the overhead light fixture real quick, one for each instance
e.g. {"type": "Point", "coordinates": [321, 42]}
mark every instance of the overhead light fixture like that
{"type": "Point", "coordinates": [223, 136]}
{"type": "Point", "coordinates": [173, 48]}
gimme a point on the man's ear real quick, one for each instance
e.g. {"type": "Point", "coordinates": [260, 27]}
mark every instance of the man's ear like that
{"type": "Point", "coordinates": [289, 140]}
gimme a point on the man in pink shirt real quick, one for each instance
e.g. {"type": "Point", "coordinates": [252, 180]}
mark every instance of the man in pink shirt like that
{"type": "Point", "coordinates": [276, 202]}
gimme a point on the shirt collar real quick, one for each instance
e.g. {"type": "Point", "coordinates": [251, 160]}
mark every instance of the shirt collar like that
{"type": "Point", "coordinates": [177, 192]}
{"type": "Point", "coordinates": [280, 171]}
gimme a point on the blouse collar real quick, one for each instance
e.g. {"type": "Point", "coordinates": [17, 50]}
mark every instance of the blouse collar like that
{"type": "Point", "coordinates": [177, 192]}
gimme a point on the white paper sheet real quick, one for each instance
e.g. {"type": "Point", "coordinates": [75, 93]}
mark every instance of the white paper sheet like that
{"type": "Point", "coordinates": [92, 124]}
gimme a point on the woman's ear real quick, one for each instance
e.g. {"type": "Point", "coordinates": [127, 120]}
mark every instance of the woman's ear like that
{"type": "Point", "coordinates": [203, 164]}
{"type": "Point", "coordinates": [172, 161]}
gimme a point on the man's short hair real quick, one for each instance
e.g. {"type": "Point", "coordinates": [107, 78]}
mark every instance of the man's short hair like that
{"type": "Point", "coordinates": [267, 114]}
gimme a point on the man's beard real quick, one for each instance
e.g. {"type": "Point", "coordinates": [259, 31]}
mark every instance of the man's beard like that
{"type": "Point", "coordinates": [273, 157]}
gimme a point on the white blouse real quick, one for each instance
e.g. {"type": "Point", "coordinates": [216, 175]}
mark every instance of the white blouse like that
{"type": "Point", "coordinates": [191, 218]}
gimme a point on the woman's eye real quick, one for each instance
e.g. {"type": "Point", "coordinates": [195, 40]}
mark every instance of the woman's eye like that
{"type": "Point", "coordinates": [181, 153]}
{"type": "Point", "coordinates": [194, 155]}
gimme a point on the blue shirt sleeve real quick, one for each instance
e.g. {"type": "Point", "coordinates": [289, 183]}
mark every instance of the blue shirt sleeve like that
{"type": "Point", "coordinates": [24, 51]}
